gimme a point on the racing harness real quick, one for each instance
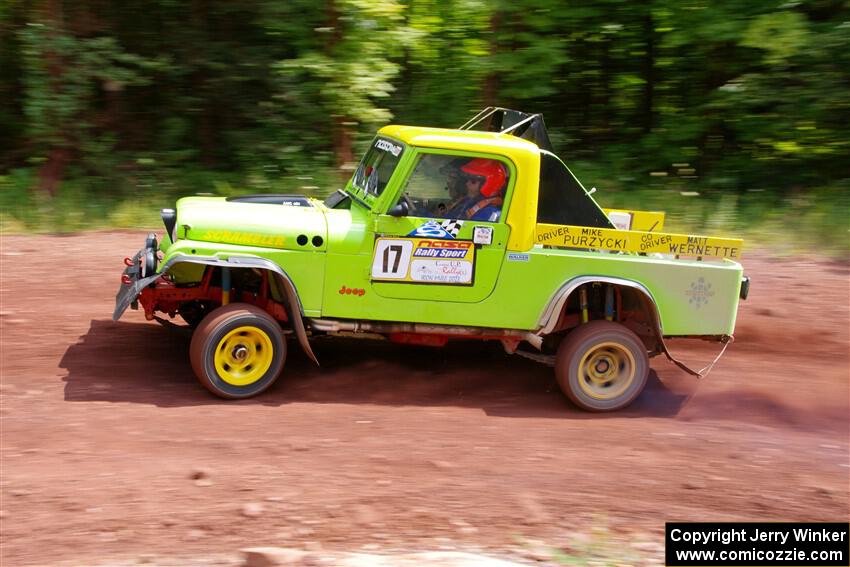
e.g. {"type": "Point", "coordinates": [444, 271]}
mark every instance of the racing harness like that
{"type": "Point", "coordinates": [483, 203]}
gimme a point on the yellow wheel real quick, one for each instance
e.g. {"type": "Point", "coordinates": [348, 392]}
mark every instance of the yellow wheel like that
{"type": "Point", "coordinates": [602, 366]}
{"type": "Point", "coordinates": [606, 371]}
{"type": "Point", "coordinates": [243, 355]}
{"type": "Point", "coordinates": [238, 351]}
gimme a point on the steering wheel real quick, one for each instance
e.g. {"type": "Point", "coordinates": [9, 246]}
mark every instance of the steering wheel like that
{"type": "Point", "coordinates": [411, 208]}
{"type": "Point", "coordinates": [440, 209]}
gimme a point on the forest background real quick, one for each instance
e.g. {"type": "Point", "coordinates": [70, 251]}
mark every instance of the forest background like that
{"type": "Point", "coordinates": [732, 115]}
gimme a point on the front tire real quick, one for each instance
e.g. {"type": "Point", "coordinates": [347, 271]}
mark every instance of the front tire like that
{"type": "Point", "coordinates": [602, 366]}
{"type": "Point", "coordinates": [237, 351]}
{"type": "Point", "coordinates": [193, 312]}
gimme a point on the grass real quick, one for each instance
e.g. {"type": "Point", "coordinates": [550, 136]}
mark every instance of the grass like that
{"type": "Point", "coordinates": [598, 547]}
{"type": "Point", "coordinates": [132, 202]}
{"type": "Point", "coordinates": [804, 221]}
{"type": "Point", "coordinates": [814, 222]}
{"type": "Point", "coordinates": [811, 221]}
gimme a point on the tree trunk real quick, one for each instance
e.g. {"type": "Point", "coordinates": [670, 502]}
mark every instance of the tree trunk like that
{"type": "Point", "coordinates": [51, 173]}
{"type": "Point", "coordinates": [648, 99]}
{"type": "Point", "coordinates": [604, 102]}
{"type": "Point", "coordinates": [491, 81]}
{"type": "Point", "coordinates": [53, 169]}
{"type": "Point", "coordinates": [342, 137]}
{"type": "Point", "coordinates": [343, 146]}
{"type": "Point", "coordinates": [205, 124]}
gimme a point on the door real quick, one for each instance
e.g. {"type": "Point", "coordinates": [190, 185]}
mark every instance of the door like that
{"type": "Point", "coordinates": [450, 243]}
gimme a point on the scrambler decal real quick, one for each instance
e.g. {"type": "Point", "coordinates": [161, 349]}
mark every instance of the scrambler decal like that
{"type": "Point", "coordinates": [424, 260]}
{"type": "Point", "coordinates": [245, 238]}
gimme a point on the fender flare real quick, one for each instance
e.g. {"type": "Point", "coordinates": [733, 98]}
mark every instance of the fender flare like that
{"type": "Point", "coordinates": [552, 313]}
{"type": "Point", "coordinates": [550, 316]}
{"type": "Point", "coordinates": [281, 279]}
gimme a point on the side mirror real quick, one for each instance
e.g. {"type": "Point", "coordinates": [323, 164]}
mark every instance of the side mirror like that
{"type": "Point", "coordinates": [402, 209]}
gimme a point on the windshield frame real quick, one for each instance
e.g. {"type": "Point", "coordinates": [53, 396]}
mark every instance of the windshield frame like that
{"type": "Point", "coordinates": [360, 190]}
{"type": "Point", "coordinates": [417, 153]}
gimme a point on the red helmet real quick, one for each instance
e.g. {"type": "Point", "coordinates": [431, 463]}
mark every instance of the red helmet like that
{"type": "Point", "coordinates": [493, 171]}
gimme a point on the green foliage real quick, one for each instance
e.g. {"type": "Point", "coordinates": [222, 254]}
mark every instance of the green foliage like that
{"type": "Point", "coordinates": [346, 73]}
{"type": "Point", "coordinates": [62, 76]}
{"type": "Point", "coordinates": [742, 102]}
{"type": "Point", "coordinates": [781, 35]}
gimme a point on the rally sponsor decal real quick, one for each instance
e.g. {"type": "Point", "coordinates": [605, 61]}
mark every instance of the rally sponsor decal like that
{"type": "Point", "coordinates": [438, 229]}
{"type": "Point", "coordinates": [650, 221]}
{"type": "Point", "coordinates": [482, 235]}
{"type": "Point", "coordinates": [441, 271]}
{"type": "Point", "coordinates": [620, 220]}
{"type": "Point", "coordinates": [297, 202]}
{"type": "Point", "coordinates": [424, 260]}
{"type": "Point", "coordinates": [388, 147]}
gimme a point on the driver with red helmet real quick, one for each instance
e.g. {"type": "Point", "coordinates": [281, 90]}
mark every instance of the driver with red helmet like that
{"type": "Point", "coordinates": [484, 181]}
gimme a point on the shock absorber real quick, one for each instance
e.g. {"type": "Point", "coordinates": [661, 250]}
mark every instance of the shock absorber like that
{"type": "Point", "coordinates": [225, 286]}
{"type": "Point", "coordinates": [609, 302]}
{"type": "Point", "coordinates": [582, 299]}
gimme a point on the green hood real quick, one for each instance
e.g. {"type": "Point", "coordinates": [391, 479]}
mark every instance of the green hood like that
{"type": "Point", "coordinates": [216, 219]}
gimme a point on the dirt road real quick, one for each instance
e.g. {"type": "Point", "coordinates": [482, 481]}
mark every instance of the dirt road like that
{"type": "Point", "coordinates": [111, 449]}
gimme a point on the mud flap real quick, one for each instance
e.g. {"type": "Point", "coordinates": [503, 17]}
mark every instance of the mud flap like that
{"type": "Point", "coordinates": [301, 333]}
{"type": "Point", "coordinates": [128, 292]}
{"type": "Point", "coordinates": [702, 373]}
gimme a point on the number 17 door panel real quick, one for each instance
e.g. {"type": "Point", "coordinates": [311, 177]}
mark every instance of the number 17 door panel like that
{"type": "Point", "coordinates": [405, 266]}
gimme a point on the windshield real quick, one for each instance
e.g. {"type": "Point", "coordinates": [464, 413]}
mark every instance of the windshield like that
{"type": "Point", "coordinates": [377, 167]}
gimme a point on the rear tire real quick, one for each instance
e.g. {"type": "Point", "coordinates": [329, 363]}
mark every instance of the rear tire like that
{"type": "Point", "coordinates": [237, 351]}
{"type": "Point", "coordinates": [602, 366]}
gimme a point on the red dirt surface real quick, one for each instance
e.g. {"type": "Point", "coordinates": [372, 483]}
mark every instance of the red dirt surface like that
{"type": "Point", "coordinates": [111, 449]}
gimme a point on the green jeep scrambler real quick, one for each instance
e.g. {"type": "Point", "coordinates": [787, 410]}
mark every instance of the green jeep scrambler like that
{"type": "Point", "coordinates": [479, 232]}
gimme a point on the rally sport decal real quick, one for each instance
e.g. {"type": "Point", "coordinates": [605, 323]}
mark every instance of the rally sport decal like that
{"type": "Point", "coordinates": [424, 261]}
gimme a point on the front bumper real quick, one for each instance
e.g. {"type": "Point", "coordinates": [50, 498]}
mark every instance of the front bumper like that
{"type": "Point", "coordinates": [135, 277]}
